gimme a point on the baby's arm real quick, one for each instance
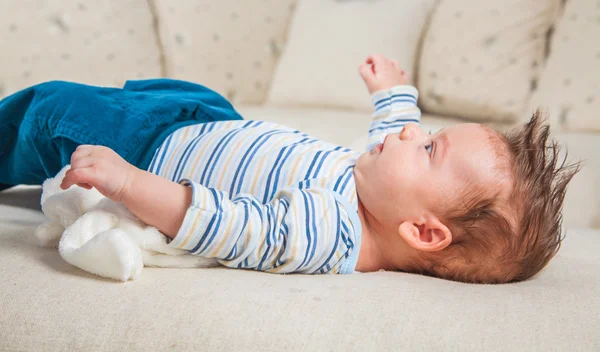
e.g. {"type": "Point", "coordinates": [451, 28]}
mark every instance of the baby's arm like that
{"type": "Point", "coordinates": [156, 201]}
{"type": "Point", "coordinates": [300, 230]}
{"type": "Point", "coordinates": [394, 100]}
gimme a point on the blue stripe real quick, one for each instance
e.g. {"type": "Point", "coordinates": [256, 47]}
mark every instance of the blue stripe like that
{"type": "Point", "coordinates": [242, 177]}
{"type": "Point", "coordinates": [272, 229]}
{"type": "Point", "coordinates": [405, 119]}
{"type": "Point", "coordinates": [411, 98]}
{"type": "Point", "coordinates": [188, 148]}
{"type": "Point", "coordinates": [210, 166]}
{"type": "Point", "coordinates": [314, 224]}
{"type": "Point", "coordinates": [309, 216]}
{"type": "Point", "coordinates": [162, 158]}
{"type": "Point", "coordinates": [322, 161]}
{"type": "Point", "coordinates": [312, 164]}
{"type": "Point", "coordinates": [271, 174]}
{"type": "Point", "coordinates": [346, 182]}
{"type": "Point", "coordinates": [344, 175]}
{"type": "Point", "coordinates": [337, 237]}
{"type": "Point", "coordinates": [158, 155]}
{"type": "Point", "coordinates": [273, 170]}
{"type": "Point", "coordinates": [278, 173]}
{"type": "Point", "coordinates": [394, 102]}
{"type": "Point", "coordinates": [233, 251]}
{"type": "Point", "coordinates": [285, 237]}
{"type": "Point", "coordinates": [404, 95]}
{"type": "Point", "coordinates": [344, 237]}
{"type": "Point", "coordinates": [206, 232]}
{"type": "Point", "coordinates": [219, 218]}
{"type": "Point", "coordinates": [399, 124]}
{"type": "Point", "coordinates": [239, 168]}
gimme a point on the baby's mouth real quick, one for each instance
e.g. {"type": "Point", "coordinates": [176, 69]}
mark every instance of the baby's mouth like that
{"type": "Point", "coordinates": [382, 144]}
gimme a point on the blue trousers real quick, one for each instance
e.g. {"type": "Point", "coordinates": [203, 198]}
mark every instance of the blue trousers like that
{"type": "Point", "coordinates": [41, 126]}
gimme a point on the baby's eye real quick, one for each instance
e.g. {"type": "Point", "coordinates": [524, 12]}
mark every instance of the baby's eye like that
{"type": "Point", "coordinates": [429, 148]}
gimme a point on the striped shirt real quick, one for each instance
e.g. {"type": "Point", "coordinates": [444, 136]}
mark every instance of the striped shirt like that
{"type": "Point", "coordinates": [271, 198]}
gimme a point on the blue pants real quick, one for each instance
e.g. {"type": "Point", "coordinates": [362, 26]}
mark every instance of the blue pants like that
{"type": "Point", "coordinates": [41, 126]}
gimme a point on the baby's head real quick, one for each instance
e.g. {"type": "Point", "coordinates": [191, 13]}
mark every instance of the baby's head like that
{"type": "Point", "coordinates": [467, 203]}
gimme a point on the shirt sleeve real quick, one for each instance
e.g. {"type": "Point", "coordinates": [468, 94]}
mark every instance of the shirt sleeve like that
{"type": "Point", "coordinates": [307, 231]}
{"type": "Point", "coordinates": [393, 109]}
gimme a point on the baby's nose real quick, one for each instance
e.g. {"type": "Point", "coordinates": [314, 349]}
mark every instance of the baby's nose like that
{"type": "Point", "coordinates": [409, 132]}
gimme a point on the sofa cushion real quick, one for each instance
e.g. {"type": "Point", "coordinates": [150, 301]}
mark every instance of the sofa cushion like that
{"type": "Point", "coordinates": [48, 305]}
{"type": "Point", "coordinates": [328, 40]}
{"type": "Point", "coordinates": [231, 46]}
{"type": "Point", "coordinates": [569, 87]}
{"type": "Point", "coordinates": [93, 42]}
{"type": "Point", "coordinates": [481, 58]}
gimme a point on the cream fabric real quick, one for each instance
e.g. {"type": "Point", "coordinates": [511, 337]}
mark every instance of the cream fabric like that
{"type": "Point", "coordinates": [94, 42]}
{"type": "Point", "coordinates": [481, 58]}
{"type": "Point", "coordinates": [48, 305]}
{"type": "Point", "coordinates": [328, 40]}
{"type": "Point", "coordinates": [570, 85]}
{"type": "Point", "coordinates": [230, 46]}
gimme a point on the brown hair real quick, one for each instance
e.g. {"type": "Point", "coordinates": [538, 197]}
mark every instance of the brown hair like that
{"type": "Point", "coordinates": [508, 238]}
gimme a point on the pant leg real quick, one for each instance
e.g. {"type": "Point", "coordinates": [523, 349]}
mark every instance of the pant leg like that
{"type": "Point", "coordinates": [41, 126]}
{"type": "Point", "coordinates": [26, 154]}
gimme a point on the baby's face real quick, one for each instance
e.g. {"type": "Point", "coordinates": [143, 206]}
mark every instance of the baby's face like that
{"type": "Point", "coordinates": [413, 173]}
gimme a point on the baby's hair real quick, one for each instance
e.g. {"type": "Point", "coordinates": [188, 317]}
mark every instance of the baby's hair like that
{"type": "Point", "coordinates": [509, 238]}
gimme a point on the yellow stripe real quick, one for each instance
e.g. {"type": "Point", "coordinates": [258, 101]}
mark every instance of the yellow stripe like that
{"type": "Point", "coordinates": [257, 174]}
{"type": "Point", "coordinates": [335, 167]}
{"type": "Point", "coordinates": [221, 243]}
{"type": "Point", "coordinates": [225, 168]}
{"type": "Point", "coordinates": [190, 232]}
{"type": "Point", "coordinates": [300, 157]}
{"type": "Point", "coordinates": [202, 205]}
{"type": "Point", "coordinates": [353, 197]}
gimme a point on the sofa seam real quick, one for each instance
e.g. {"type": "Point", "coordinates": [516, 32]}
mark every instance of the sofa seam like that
{"type": "Point", "coordinates": [158, 39]}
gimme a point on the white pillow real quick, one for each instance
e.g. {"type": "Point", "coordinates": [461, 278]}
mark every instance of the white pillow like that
{"type": "Point", "coordinates": [230, 46]}
{"type": "Point", "coordinates": [480, 58]}
{"type": "Point", "coordinates": [88, 41]}
{"type": "Point", "coordinates": [569, 88]}
{"type": "Point", "coordinates": [328, 40]}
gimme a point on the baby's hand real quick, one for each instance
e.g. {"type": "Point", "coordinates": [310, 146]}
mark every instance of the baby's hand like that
{"type": "Point", "coordinates": [381, 73]}
{"type": "Point", "coordinates": [102, 168]}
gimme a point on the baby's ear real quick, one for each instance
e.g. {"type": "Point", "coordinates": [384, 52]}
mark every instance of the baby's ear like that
{"type": "Point", "coordinates": [431, 235]}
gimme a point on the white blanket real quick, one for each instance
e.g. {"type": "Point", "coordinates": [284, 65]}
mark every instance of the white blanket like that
{"type": "Point", "coordinates": [102, 237]}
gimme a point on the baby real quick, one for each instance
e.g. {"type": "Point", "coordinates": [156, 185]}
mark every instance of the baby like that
{"type": "Point", "coordinates": [466, 203]}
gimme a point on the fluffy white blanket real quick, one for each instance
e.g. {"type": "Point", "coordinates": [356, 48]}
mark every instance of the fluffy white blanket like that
{"type": "Point", "coordinates": [102, 237]}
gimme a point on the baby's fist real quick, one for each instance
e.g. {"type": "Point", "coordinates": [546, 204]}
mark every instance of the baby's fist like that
{"type": "Point", "coordinates": [102, 168]}
{"type": "Point", "coordinates": [380, 72]}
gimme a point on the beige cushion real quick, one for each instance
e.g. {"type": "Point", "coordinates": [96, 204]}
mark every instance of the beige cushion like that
{"type": "Point", "coordinates": [570, 85]}
{"type": "Point", "coordinates": [48, 305]}
{"type": "Point", "coordinates": [94, 42]}
{"type": "Point", "coordinates": [328, 40]}
{"type": "Point", "coordinates": [480, 58]}
{"type": "Point", "coordinates": [230, 46]}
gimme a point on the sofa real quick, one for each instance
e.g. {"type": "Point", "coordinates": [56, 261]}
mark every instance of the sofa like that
{"type": "Point", "coordinates": [295, 62]}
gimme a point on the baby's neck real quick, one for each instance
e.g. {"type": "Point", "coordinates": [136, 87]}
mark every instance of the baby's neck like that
{"type": "Point", "coordinates": [382, 247]}
{"type": "Point", "coordinates": [371, 257]}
